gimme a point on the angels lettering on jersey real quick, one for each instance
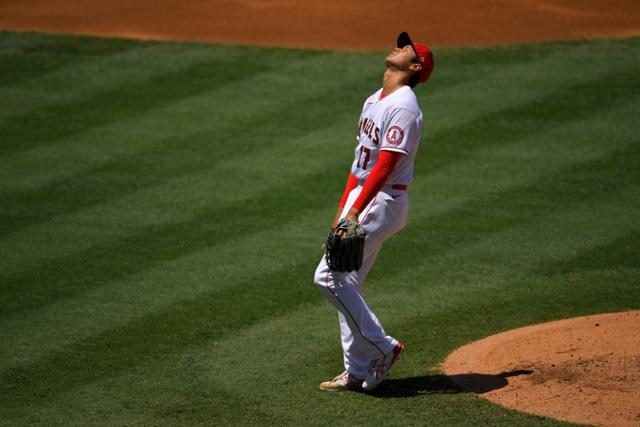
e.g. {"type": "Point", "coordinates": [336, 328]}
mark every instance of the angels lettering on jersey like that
{"type": "Point", "coordinates": [393, 123]}
{"type": "Point", "coordinates": [369, 128]}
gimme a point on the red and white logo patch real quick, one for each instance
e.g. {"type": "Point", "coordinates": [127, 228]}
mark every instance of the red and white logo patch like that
{"type": "Point", "coordinates": [394, 136]}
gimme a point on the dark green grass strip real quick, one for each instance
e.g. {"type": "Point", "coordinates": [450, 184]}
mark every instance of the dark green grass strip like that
{"type": "Point", "coordinates": [48, 54]}
{"type": "Point", "coordinates": [64, 276]}
{"type": "Point", "coordinates": [123, 102]}
{"type": "Point", "coordinates": [572, 187]}
{"type": "Point", "coordinates": [200, 402]}
{"type": "Point", "coordinates": [82, 190]}
{"type": "Point", "coordinates": [161, 334]}
{"type": "Point", "coordinates": [156, 245]}
{"type": "Point", "coordinates": [167, 159]}
{"type": "Point", "coordinates": [621, 253]}
{"type": "Point", "coordinates": [551, 111]}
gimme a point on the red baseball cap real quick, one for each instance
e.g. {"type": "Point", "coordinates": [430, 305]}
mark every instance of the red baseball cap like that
{"type": "Point", "coordinates": [425, 57]}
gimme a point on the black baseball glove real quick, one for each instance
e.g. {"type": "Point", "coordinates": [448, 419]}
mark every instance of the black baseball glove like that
{"type": "Point", "coordinates": [345, 254]}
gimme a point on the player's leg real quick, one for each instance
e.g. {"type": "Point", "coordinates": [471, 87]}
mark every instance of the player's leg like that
{"type": "Point", "coordinates": [386, 215]}
{"type": "Point", "coordinates": [363, 337]}
{"type": "Point", "coordinates": [354, 358]}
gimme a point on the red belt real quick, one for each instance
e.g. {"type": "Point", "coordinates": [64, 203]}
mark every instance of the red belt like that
{"type": "Point", "coordinates": [393, 186]}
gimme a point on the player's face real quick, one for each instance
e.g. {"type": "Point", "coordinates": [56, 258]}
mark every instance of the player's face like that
{"type": "Point", "coordinates": [401, 57]}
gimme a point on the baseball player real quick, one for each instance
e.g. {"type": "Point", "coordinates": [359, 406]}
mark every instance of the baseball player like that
{"type": "Point", "coordinates": [376, 196]}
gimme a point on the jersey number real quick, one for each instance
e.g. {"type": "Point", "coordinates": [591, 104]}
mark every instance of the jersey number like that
{"type": "Point", "coordinates": [363, 158]}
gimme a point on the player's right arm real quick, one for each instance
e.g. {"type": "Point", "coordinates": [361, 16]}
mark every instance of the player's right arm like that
{"type": "Point", "coordinates": [352, 182]}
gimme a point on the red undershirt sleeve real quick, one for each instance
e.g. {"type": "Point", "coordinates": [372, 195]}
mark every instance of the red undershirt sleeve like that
{"type": "Point", "coordinates": [352, 182]}
{"type": "Point", "coordinates": [387, 161]}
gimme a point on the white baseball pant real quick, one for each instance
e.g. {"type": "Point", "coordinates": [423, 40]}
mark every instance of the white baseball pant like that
{"type": "Point", "coordinates": [363, 337]}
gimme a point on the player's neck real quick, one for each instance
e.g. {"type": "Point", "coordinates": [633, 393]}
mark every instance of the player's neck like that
{"type": "Point", "coordinates": [393, 80]}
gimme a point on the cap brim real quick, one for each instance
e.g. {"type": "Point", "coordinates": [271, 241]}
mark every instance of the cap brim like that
{"type": "Point", "coordinates": [404, 39]}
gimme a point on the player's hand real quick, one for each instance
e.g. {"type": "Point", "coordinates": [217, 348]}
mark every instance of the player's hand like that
{"type": "Point", "coordinates": [352, 215]}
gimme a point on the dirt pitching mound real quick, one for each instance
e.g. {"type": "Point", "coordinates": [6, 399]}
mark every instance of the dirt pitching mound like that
{"type": "Point", "coordinates": [584, 370]}
{"type": "Point", "coordinates": [333, 24]}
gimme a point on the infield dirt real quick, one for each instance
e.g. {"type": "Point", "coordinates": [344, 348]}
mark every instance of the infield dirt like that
{"type": "Point", "coordinates": [585, 369]}
{"type": "Point", "coordinates": [331, 24]}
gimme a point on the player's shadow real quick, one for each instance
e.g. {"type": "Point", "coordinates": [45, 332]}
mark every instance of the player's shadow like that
{"type": "Point", "coordinates": [444, 384]}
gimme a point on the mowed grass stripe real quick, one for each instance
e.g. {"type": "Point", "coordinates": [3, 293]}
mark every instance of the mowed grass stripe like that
{"type": "Point", "coordinates": [161, 334]}
{"type": "Point", "coordinates": [483, 231]}
{"type": "Point", "coordinates": [255, 133]}
{"type": "Point", "coordinates": [213, 263]}
{"type": "Point", "coordinates": [123, 101]}
{"type": "Point", "coordinates": [232, 362]}
{"type": "Point", "coordinates": [512, 233]}
{"type": "Point", "coordinates": [21, 212]}
{"type": "Point", "coordinates": [479, 221]}
{"type": "Point", "coordinates": [571, 228]}
{"type": "Point", "coordinates": [511, 125]}
{"type": "Point", "coordinates": [155, 245]}
{"type": "Point", "coordinates": [444, 147]}
{"type": "Point", "coordinates": [26, 338]}
{"type": "Point", "coordinates": [187, 207]}
{"type": "Point", "coordinates": [257, 92]}
{"type": "Point", "coordinates": [200, 266]}
{"type": "Point", "coordinates": [184, 116]}
{"type": "Point", "coordinates": [548, 232]}
{"type": "Point", "coordinates": [509, 165]}
{"type": "Point", "coordinates": [478, 294]}
{"type": "Point", "coordinates": [73, 270]}
{"type": "Point", "coordinates": [90, 69]}
{"type": "Point", "coordinates": [513, 83]}
{"type": "Point", "coordinates": [497, 276]}
{"type": "Point", "coordinates": [171, 157]}
{"type": "Point", "coordinates": [28, 57]}
{"type": "Point", "coordinates": [240, 379]}
{"type": "Point", "coordinates": [620, 253]}
{"type": "Point", "coordinates": [443, 299]}
{"type": "Point", "coordinates": [167, 160]}
{"type": "Point", "coordinates": [498, 181]}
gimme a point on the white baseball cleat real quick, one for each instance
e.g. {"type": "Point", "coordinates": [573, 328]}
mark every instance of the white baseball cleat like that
{"type": "Point", "coordinates": [343, 382]}
{"type": "Point", "coordinates": [381, 367]}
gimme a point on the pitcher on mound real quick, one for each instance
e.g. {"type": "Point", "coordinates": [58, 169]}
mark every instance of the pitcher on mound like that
{"type": "Point", "coordinates": [376, 196]}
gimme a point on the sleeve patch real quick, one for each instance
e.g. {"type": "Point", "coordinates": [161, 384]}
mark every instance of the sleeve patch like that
{"type": "Point", "coordinates": [395, 135]}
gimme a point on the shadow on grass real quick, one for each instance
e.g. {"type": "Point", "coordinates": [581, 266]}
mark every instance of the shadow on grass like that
{"type": "Point", "coordinates": [444, 384]}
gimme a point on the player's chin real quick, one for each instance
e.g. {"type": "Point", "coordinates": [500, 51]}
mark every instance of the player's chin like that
{"type": "Point", "coordinates": [392, 61]}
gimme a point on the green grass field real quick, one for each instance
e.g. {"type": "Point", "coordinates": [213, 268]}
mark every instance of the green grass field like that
{"type": "Point", "coordinates": [163, 206]}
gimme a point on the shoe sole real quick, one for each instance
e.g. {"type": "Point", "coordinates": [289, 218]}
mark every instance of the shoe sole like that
{"type": "Point", "coordinates": [338, 390]}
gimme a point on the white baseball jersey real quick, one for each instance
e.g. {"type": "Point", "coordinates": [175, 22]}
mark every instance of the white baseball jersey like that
{"type": "Point", "coordinates": [392, 123]}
